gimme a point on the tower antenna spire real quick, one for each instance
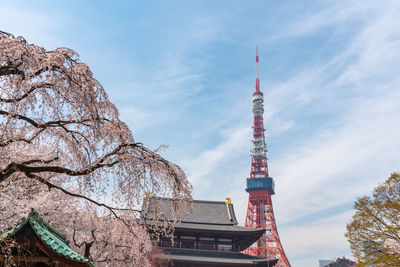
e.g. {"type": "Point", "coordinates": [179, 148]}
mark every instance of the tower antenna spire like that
{"type": "Point", "coordinates": [257, 76]}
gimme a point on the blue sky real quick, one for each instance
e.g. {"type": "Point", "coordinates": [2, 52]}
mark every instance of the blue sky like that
{"type": "Point", "coordinates": [182, 74]}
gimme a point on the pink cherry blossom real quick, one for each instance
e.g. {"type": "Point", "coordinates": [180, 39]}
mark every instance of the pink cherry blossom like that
{"type": "Point", "coordinates": [65, 152]}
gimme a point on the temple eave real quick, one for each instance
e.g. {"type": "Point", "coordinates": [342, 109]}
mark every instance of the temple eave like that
{"type": "Point", "coordinates": [204, 258]}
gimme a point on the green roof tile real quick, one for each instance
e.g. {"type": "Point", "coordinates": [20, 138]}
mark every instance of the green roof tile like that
{"type": "Point", "coordinates": [49, 235]}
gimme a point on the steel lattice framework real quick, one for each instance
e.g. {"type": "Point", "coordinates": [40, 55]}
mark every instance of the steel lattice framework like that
{"type": "Point", "coordinates": [260, 188]}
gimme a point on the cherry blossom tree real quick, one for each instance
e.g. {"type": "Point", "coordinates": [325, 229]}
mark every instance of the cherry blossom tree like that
{"type": "Point", "coordinates": [65, 152]}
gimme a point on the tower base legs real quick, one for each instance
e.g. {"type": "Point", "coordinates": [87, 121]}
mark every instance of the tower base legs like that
{"type": "Point", "coordinates": [260, 214]}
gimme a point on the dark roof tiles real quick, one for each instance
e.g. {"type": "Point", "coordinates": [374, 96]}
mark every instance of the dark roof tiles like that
{"type": "Point", "coordinates": [204, 215]}
{"type": "Point", "coordinates": [207, 212]}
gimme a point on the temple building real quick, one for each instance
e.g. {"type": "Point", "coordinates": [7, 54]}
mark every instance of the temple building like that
{"type": "Point", "coordinates": [34, 242]}
{"type": "Point", "coordinates": [208, 235]}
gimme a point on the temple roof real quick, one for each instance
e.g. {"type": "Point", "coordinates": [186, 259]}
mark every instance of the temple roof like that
{"type": "Point", "coordinates": [56, 241]}
{"type": "Point", "coordinates": [204, 212]}
{"type": "Point", "coordinates": [207, 217]}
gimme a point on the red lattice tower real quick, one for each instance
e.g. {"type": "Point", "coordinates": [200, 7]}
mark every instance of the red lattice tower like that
{"type": "Point", "coordinates": [260, 188]}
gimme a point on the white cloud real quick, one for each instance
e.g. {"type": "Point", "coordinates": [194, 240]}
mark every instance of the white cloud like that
{"type": "Point", "coordinates": [335, 165]}
{"type": "Point", "coordinates": [35, 25]}
{"type": "Point", "coordinates": [136, 118]}
{"type": "Point", "coordinates": [320, 170]}
{"type": "Point", "coordinates": [201, 168]}
{"type": "Point", "coordinates": [329, 166]}
{"type": "Point", "coordinates": [317, 240]}
{"type": "Point", "coordinates": [334, 13]}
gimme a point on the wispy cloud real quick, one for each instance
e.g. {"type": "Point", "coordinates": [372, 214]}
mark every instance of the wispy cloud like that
{"type": "Point", "coordinates": [331, 114]}
{"type": "Point", "coordinates": [308, 249]}
{"type": "Point", "coordinates": [338, 14]}
{"type": "Point", "coordinates": [334, 165]}
{"type": "Point", "coordinates": [36, 26]}
{"type": "Point", "coordinates": [201, 168]}
{"type": "Point", "coordinates": [349, 147]}
{"type": "Point", "coordinates": [344, 160]}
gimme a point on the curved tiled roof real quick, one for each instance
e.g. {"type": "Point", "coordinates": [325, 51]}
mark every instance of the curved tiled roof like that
{"type": "Point", "coordinates": [49, 236]}
{"type": "Point", "coordinates": [203, 212]}
{"type": "Point", "coordinates": [205, 217]}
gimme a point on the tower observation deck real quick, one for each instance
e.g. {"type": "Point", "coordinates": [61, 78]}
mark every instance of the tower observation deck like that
{"type": "Point", "coordinates": [261, 187]}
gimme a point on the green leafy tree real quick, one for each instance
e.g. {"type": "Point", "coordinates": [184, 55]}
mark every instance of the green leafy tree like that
{"type": "Point", "coordinates": [374, 233]}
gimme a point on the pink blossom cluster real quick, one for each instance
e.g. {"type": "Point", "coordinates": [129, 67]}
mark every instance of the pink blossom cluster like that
{"type": "Point", "coordinates": [393, 246]}
{"type": "Point", "coordinates": [65, 152]}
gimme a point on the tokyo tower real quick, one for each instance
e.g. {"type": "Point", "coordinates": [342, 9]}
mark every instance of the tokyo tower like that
{"type": "Point", "coordinates": [260, 187]}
